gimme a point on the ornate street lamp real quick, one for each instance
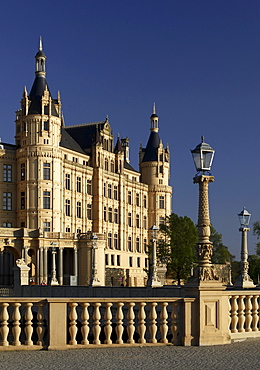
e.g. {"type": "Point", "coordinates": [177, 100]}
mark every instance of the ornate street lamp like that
{"type": "Point", "coordinates": [203, 156]}
{"type": "Point", "coordinates": [153, 280]}
{"type": "Point", "coordinates": [244, 280]}
{"type": "Point", "coordinates": [54, 280]}
{"type": "Point", "coordinates": [94, 281]}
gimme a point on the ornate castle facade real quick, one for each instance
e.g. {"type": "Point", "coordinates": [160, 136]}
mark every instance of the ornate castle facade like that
{"type": "Point", "coordinates": [71, 204]}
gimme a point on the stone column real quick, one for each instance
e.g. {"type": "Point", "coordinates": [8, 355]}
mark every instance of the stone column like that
{"type": "Point", "coordinates": [60, 266]}
{"type": "Point", "coordinates": [45, 264]}
{"type": "Point", "coordinates": [153, 279]}
{"type": "Point", "coordinates": [204, 271]}
{"type": "Point", "coordinates": [76, 264]}
{"type": "Point", "coordinates": [41, 265]}
{"type": "Point", "coordinates": [244, 280]}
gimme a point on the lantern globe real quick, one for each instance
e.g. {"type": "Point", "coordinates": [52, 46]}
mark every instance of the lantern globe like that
{"type": "Point", "coordinates": [203, 156]}
{"type": "Point", "coordinates": [244, 217]}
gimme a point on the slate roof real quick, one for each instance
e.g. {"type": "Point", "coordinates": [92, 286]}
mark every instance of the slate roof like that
{"type": "Point", "coordinates": [68, 142]}
{"type": "Point", "coordinates": [128, 166]}
{"type": "Point", "coordinates": [151, 147]}
{"type": "Point", "coordinates": [85, 135]}
{"type": "Point", "coordinates": [36, 94]}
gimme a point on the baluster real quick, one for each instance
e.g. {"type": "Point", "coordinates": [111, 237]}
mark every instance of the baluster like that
{"type": "Point", "coordinates": [175, 322]}
{"type": "Point", "coordinates": [241, 313]}
{"type": "Point", "coordinates": [108, 326]}
{"type": "Point", "coordinates": [164, 327]}
{"type": "Point", "coordinates": [229, 312]}
{"type": "Point", "coordinates": [141, 322]}
{"type": "Point", "coordinates": [73, 323]}
{"type": "Point", "coordinates": [119, 322]}
{"type": "Point", "coordinates": [28, 324]}
{"type": "Point", "coordinates": [40, 324]}
{"type": "Point", "coordinates": [4, 328]}
{"type": "Point", "coordinates": [85, 323]}
{"type": "Point", "coordinates": [16, 324]}
{"type": "Point", "coordinates": [153, 327]}
{"type": "Point", "coordinates": [248, 312]}
{"type": "Point", "coordinates": [130, 324]}
{"type": "Point", "coordinates": [96, 323]}
{"type": "Point", "coordinates": [255, 316]}
{"type": "Point", "coordinates": [234, 317]}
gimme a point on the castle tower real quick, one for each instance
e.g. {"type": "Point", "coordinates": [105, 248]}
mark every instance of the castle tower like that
{"type": "Point", "coordinates": [155, 172]}
{"type": "Point", "coordinates": [38, 134]}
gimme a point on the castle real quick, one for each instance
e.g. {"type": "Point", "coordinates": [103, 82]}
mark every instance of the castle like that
{"type": "Point", "coordinates": [72, 206]}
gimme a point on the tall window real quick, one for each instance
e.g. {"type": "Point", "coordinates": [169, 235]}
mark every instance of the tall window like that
{"type": "Point", "coordinates": [145, 201]}
{"type": "Point", "coordinates": [138, 262]}
{"type": "Point", "coordinates": [67, 207]}
{"type": "Point", "coordinates": [105, 213]}
{"type": "Point", "coordinates": [89, 211]}
{"type": "Point", "coordinates": [130, 261]}
{"type": "Point", "coordinates": [46, 171]}
{"type": "Point", "coordinates": [129, 218]}
{"type": "Point", "coordinates": [106, 164]}
{"type": "Point", "coordinates": [105, 190]}
{"type": "Point", "coordinates": [116, 244]}
{"type": "Point", "coordinates": [137, 246]}
{"type": "Point", "coordinates": [7, 201]}
{"type": "Point", "coordinates": [46, 199]}
{"type": "Point", "coordinates": [47, 226]}
{"type": "Point", "coordinates": [129, 242]}
{"type": "Point", "coordinates": [89, 187]}
{"type": "Point", "coordinates": [109, 191]}
{"type": "Point", "coordinates": [79, 209]}
{"type": "Point", "coordinates": [67, 181]}
{"type": "Point", "coordinates": [110, 240]}
{"type": "Point", "coordinates": [137, 199]}
{"type": "Point", "coordinates": [45, 125]}
{"type": "Point", "coordinates": [23, 200]}
{"type": "Point", "coordinates": [7, 173]}
{"type": "Point", "coordinates": [145, 222]}
{"type": "Point", "coordinates": [115, 192]}
{"type": "Point", "coordinates": [110, 215]}
{"type": "Point", "coordinates": [116, 219]}
{"type": "Point", "coordinates": [78, 184]}
{"type": "Point", "coordinates": [112, 165]}
{"type": "Point", "coordinates": [22, 171]}
{"type": "Point", "coordinates": [129, 197]}
{"type": "Point", "coordinates": [161, 202]}
{"type": "Point", "coordinates": [137, 221]}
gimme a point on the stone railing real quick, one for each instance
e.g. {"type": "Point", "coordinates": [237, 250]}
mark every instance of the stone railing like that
{"type": "Point", "coordinates": [57, 323]}
{"type": "Point", "coordinates": [244, 316]}
{"type": "Point", "coordinates": [22, 323]}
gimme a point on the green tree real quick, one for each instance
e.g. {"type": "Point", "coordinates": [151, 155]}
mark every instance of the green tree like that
{"type": "Point", "coordinates": [221, 253]}
{"type": "Point", "coordinates": [177, 247]}
{"type": "Point", "coordinates": [256, 231]}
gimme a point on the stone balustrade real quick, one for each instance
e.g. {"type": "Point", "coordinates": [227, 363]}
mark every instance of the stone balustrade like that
{"type": "Point", "coordinates": [74, 323]}
{"type": "Point", "coordinates": [244, 314]}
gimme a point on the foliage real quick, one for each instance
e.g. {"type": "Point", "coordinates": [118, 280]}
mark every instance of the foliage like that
{"type": "Point", "coordinates": [177, 247]}
{"type": "Point", "coordinates": [221, 253]}
{"type": "Point", "coordinates": [254, 267]}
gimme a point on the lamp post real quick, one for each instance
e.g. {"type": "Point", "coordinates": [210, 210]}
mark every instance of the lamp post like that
{"type": "Point", "coordinates": [54, 280]}
{"type": "Point", "coordinates": [94, 281]}
{"type": "Point", "coordinates": [203, 156]}
{"type": "Point", "coordinates": [153, 280]}
{"type": "Point", "coordinates": [244, 280]}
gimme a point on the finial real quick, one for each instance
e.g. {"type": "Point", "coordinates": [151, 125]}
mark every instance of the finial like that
{"type": "Point", "coordinates": [154, 108]}
{"type": "Point", "coordinates": [202, 138]}
{"type": "Point", "coordinates": [118, 136]}
{"type": "Point", "coordinates": [40, 44]}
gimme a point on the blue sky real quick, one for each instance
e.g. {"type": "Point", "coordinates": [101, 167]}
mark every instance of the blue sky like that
{"type": "Point", "coordinates": [198, 60]}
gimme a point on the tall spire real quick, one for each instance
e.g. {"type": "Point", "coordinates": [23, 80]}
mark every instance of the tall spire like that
{"type": "Point", "coordinates": [40, 57]}
{"type": "Point", "coordinates": [154, 120]}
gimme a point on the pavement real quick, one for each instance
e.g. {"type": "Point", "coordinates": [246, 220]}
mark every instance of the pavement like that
{"type": "Point", "coordinates": [240, 355]}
